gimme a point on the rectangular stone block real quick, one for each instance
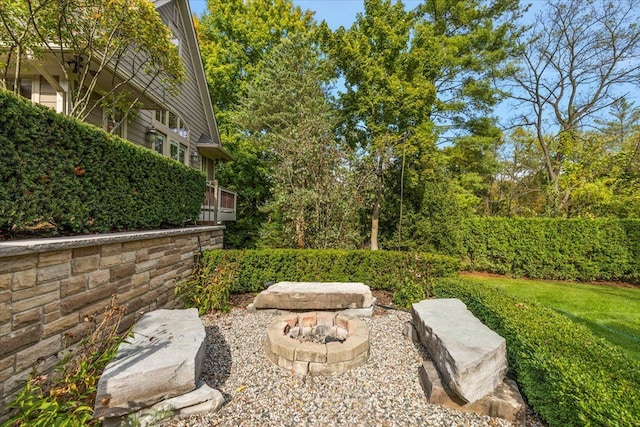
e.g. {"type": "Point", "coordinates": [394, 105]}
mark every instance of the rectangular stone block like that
{"type": "Point", "coordinates": [99, 278]}
{"type": "Point", "coordinates": [26, 318]}
{"type": "Point", "coordinates": [23, 279]}
{"type": "Point", "coordinates": [145, 265]}
{"type": "Point", "coordinates": [29, 357]}
{"type": "Point", "coordinates": [504, 402]}
{"type": "Point", "coordinates": [53, 272]}
{"type": "Point", "coordinates": [72, 303]}
{"type": "Point", "coordinates": [5, 281]}
{"type": "Point", "coordinates": [129, 257]}
{"type": "Point", "coordinates": [73, 285]}
{"type": "Point", "coordinates": [40, 300]}
{"type": "Point", "coordinates": [140, 280]}
{"type": "Point", "coordinates": [85, 264]}
{"type": "Point", "coordinates": [311, 352]}
{"type": "Point", "coordinates": [34, 291]}
{"type": "Point", "coordinates": [110, 261]}
{"type": "Point", "coordinates": [314, 296]}
{"type": "Point", "coordinates": [168, 260]}
{"type": "Point", "coordinates": [122, 271]}
{"type": "Point", "coordinates": [61, 324]}
{"type": "Point", "coordinates": [17, 263]}
{"type": "Point", "coordinates": [46, 259]}
{"type": "Point", "coordinates": [85, 251]}
{"type": "Point", "coordinates": [470, 357]}
{"type": "Point", "coordinates": [19, 339]}
{"type": "Point", "coordinates": [111, 249]}
{"type": "Point", "coordinates": [5, 312]}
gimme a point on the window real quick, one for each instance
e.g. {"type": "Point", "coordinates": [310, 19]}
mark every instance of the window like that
{"type": "Point", "coordinates": [26, 87]}
{"type": "Point", "coordinates": [172, 134]}
{"type": "Point", "coordinates": [173, 150]}
{"type": "Point", "coordinates": [182, 153]}
{"type": "Point", "coordinates": [158, 143]}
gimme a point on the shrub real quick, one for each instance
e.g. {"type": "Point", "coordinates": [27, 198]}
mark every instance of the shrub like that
{"type": "Point", "coordinates": [209, 287]}
{"type": "Point", "coordinates": [383, 270]}
{"type": "Point", "coordinates": [66, 397]}
{"type": "Point", "coordinates": [569, 376]}
{"type": "Point", "coordinates": [76, 178]}
{"type": "Point", "coordinates": [551, 248]}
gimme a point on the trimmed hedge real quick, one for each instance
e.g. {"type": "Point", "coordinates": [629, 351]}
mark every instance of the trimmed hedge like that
{"type": "Point", "coordinates": [382, 270]}
{"type": "Point", "coordinates": [80, 179]}
{"type": "Point", "coordinates": [551, 248]}
{"type": "Point", "coordinates": [569, 376]}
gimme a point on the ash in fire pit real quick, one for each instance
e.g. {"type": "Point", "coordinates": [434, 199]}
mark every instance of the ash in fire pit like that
{"type": "Point", "coordinates": [319, 334]}
{"type": "Point", "coordinates": [318, 343]}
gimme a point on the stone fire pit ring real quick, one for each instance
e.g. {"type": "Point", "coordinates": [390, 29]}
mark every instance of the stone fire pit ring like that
{"type": "Point", "coordinates": [290, 343]}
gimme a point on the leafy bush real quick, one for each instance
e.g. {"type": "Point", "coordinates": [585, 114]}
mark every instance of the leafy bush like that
{"type": "Point", "coordinates": [76, 178]}
{"type": "Point", "coordinates": [551, 248]}
{"type": "Point", "coordinates": [384, 270]}
{"type": "Point", "coordinates": [66, 397]}
{"type": "Point", "coordinates": [209, 287]}
{"type": "Point", "coordinates": [568, 375]}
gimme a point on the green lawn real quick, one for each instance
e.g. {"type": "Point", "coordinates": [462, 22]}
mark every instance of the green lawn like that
{"type": "Point", "coordinates": [610, 312]}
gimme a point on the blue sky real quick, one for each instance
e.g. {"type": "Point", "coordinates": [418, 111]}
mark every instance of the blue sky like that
{"type": "Point", "coordinates": [335, 12]}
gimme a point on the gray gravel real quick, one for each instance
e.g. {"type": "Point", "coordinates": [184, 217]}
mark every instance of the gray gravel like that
{"type": "Point", "coordinates": [384, 392]}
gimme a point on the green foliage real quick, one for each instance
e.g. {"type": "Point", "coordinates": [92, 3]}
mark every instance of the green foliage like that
{"type": "Point", "coordinates": [571, 249]}
{"type": "Point", "coordinates": [73, 177]}
{"type": "Point", "coordinates": [103, 40]}
{"type": "Point", "coordinates": [384, 270]}
{"type": "Point", "coordinates": [610, 312]}
{"type": "Point", "coordinates": [415, 288]}
{"type": "Point", "coordinates": [569, 376]}
{"type": "Point", "coordinates": [66, 396]}
{"type": "Point", "coordinates": [209, 287]}
{"type": "Point", "coordinates": [286, 112]}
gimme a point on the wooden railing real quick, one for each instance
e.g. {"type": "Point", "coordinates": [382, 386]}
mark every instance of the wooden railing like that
{"type": "Point", "coordinates": [219, 204]}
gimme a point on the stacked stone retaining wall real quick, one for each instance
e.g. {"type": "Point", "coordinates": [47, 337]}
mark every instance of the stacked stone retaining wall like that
{"type": "Point", "coordinates": [49, 286]}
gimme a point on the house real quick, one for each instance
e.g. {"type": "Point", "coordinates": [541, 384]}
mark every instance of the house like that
{"type": "Point", "coordinates": [179, 125]}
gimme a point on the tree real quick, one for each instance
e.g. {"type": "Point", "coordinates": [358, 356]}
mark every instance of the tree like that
{"type": "Point", "coordinates": [87, 40]}
{"type": "Point", "coordinates": [286, 113]}
{"type": "Point", "coordinates": [412, 75]}
{"type": "Point", "coordinates": [580, 56]}
{"type": "Point", "coordinates": [235, 37]}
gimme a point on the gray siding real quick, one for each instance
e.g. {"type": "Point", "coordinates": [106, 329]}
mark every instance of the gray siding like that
{"type": "Point", "coordinates": [188, 103]}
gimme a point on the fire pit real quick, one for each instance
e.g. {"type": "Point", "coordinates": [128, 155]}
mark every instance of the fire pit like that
{"type": "Point", "coordinates": [318, 343]}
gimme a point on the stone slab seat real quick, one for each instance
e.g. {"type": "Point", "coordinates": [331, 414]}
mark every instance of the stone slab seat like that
{"type": "Point", "coordinates": [505, 401]}
{"type": "Point", "coordinates": [163, 359]}
{"type": "Point", "coordinates": [470, 357]}
{"type": "Point", "coordinates": [314, 296]}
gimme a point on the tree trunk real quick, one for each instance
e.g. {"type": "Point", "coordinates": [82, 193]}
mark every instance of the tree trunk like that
{"type": "Point", "coordinates": [300, 231]}
{"type": "Point", "coordinates": [375, 220]}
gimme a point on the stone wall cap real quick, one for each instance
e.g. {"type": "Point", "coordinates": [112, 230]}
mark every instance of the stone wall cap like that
{"type": "Point", "coordinates": [30, 246]}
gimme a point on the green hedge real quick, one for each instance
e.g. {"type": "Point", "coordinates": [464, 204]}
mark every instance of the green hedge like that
{"type": "Point", "coordinates": [80, 179]}
{"type": "Point", "coordinates": [383, 270]}
{"type": "Point", "coordinates": [568, 375]}
{"type": "Point", "coordinates": [550, 248]}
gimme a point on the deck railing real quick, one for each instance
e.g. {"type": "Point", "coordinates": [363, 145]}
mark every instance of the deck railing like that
{"type": "Point", "coordinates": [219, 204]}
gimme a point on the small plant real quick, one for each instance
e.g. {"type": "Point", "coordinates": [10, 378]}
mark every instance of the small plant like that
{"type": "Point", "coordinates": [209, 287]}
{"type": "Point", "coordinates": [66, 396]}
{"type": "Point", "coordinates": [415, 288]}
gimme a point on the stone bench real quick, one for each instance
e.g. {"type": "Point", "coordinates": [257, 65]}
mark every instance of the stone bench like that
{"type": "Point", "coordinates": [468, 361]}
{"type": "Point", "coordinates": [352, 298]}
{"type": "Point", "coordinates": [156, 372]}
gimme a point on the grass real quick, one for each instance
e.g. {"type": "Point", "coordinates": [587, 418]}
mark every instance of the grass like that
{"type": "Point", "coordinates": [612, 313]}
